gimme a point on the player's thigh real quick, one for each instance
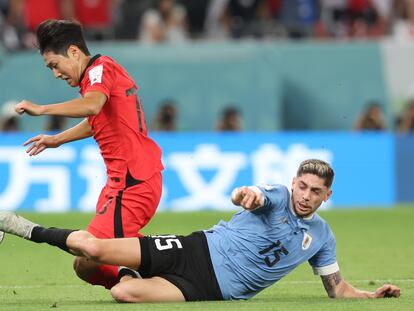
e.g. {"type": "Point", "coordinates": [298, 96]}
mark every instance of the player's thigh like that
{"type": "Point", "coordinates": [123, 213]}
{"type": "Point", "coordinates": [102, 224]}
{"type": "Point", "coordinates": [118, 252]}
{"type": "Point", "coordinates": [154, 289]}
{"type": "Point", "coordinates": [126, 252]}
{"type": "Point", "coordinates": [76, 242]}
{"type": "Point", "coordinates": [139, 204]}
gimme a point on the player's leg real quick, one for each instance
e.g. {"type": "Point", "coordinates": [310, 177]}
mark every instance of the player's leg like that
{"type": "Point", "coordinates": [86, 268]}
{"type": "Point", "coordinates": [124, 252]}
{"type": "Point", "coordinates": [102, 268]}
{"type": "Point", "coordinates": [174, 268]}
{"type": "Point", "coordinates": [119, 252]}
{"type": "Point", "coordinates": [153, 289]}
{"type": "Point", "coordinates": [17, 225]}
{"type": "Point", "coordinates": [119, 215]}
{"type": "Point", "coordinates": [12, 223]}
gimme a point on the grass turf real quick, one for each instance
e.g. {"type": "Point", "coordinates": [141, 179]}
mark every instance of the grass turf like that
{"type": "Point", "coordinates": [373, 245]}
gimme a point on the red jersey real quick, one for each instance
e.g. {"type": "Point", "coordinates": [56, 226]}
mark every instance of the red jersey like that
{"type": "Point", "coordinates": [119, 128]}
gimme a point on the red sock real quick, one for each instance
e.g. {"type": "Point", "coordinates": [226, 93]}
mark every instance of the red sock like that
{"type": "Point", "coordinates": [105, 275]}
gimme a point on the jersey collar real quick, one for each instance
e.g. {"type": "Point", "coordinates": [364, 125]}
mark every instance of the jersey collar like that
{"type": "Point", "coordinates": [91, 61]}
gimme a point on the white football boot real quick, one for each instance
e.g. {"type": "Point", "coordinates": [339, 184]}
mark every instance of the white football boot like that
{"type": "Point", "coordinates": [12, 223]}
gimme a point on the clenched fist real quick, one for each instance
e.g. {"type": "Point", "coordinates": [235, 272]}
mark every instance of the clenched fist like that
{"type": "Point", "coordinates": [249, 198]}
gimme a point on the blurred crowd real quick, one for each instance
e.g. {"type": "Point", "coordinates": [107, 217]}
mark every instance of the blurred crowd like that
{"type": "Point", "coordinates": [372, 119]}
{"type": "Point", "coordinates": [230, 119]}
{"type": "Point", "coordinates": [174, 21]}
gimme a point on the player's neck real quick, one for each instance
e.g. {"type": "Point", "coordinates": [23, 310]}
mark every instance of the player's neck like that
{"type": "Point", "coordinates": [84, 61]}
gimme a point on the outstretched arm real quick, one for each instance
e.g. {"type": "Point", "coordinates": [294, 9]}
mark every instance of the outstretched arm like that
{"type": "Point", "coordinates": [40, 142]}
{"type": "Point", "coordinates": [249, 198]}
{"type": "Point", "coordinates": [336, 287]}
{"type": "Point", "coordinates": [90, 104]}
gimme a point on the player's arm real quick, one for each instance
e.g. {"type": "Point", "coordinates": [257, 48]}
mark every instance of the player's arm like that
{"type": "Point", "coordinates": [40, 142]}
{"type": "Point", "coordinates": [336, 287]}
{"type": "Point", "coordinates": [250, 198]}
{"type": "Point", "coordinates": [88, 105]}
{"type": "Point", "coordinates": [79, 131]}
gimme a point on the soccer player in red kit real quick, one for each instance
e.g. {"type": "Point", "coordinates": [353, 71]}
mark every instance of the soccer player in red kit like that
{"type": "Point", "coordinates": [114, 117]}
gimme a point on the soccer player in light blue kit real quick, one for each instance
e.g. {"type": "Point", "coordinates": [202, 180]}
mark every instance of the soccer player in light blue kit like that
{"type": "Point", "coordinates": [260, 246]}
{"type": "Point", "coordinates": [277, 231]}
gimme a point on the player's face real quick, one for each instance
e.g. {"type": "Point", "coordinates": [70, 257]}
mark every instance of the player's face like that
{"type": "Point", "coordinates": [67, 68]}
{"type": "Point", "coordinates": [308, 193]}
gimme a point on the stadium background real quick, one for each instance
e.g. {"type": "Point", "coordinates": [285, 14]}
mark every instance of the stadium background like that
{"type": "Point", "coordinates": [299, 87]}
{"type": "Point", "coordinates": [297, 100]}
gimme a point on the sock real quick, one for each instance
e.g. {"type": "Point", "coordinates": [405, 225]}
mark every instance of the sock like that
{"type": "Point", "coordinates": [123, 271]}
{"type": "Point", "coordinates": [104, 275]}
{"type": "Point", "coordinates": [52, 236]}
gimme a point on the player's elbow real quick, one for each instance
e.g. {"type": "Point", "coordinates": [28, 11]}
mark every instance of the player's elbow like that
{"type": "Point", "coordinates": [93, 110]}
{"type": "Point", "coordinates": [337, 291]}
{"type": "Point", "coordinates": [332, 295]}
{"type": "Point", "coordinates": [93, 103]}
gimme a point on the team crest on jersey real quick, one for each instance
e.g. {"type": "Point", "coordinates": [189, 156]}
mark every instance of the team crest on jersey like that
{"type": "Point", "coordinates": [307, 240]}
{"type": "Point", "coordinates": [95, 74]}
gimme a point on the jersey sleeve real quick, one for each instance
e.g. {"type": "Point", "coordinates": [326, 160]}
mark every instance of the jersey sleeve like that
{"type": "Point", "coordinates": [324, 261]}
{"type": "Point", "coordinates": [274, 196]}
{"type": "Point", "coordinates": [100, 78]}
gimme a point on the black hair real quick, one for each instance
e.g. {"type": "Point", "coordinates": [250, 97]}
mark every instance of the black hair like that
{"type": "Point", "coordinates": [57, 35]}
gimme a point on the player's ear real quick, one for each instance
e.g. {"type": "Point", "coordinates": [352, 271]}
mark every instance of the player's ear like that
{"type": "Point", "coordinates": [293, 181]}
{"type": "Point", "coordinates": [73, 52]}
{"type": "Point", "coordinates": [328, 195]}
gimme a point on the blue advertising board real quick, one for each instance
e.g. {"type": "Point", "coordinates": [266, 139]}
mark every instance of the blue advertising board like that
{"type": "Point", "coordinates": [201, 169]}
{"type": "Point", "coordinates": [405, 168]}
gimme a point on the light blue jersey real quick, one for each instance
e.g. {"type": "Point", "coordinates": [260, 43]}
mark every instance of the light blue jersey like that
{"type": "Point", "coordinates": [256, 249]}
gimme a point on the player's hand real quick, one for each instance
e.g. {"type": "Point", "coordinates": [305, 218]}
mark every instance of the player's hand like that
{"type": "Point", "coordinates": [387, 291]}
{"type": "Point", "coordinates": [247, 198]}
{"type": "Point", "coordinates": [40, 143]}
{"type": "Point", "coordinates": [28, 107]}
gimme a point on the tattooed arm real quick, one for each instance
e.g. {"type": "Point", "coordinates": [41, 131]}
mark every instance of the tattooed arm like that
{"type": "Point", "coordinates": [336, 287]}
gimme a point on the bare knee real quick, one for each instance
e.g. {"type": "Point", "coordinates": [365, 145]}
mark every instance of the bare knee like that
{"type": "Point", "coordinates": [84, 267]}
{"type": "Point", "coordinates": [77, 242]}
{"type": "Point", "coordinates": [84, 244]}
{"type": "Point", "coordinates": [119, 293]}
{"type": "Point", "coordinates": [89, 248]}
{"type": "Point", "coordinates": [92, 249]}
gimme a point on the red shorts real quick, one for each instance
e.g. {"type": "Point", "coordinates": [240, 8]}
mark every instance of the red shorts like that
{"type": "Point", "coordinates": [124, 212]}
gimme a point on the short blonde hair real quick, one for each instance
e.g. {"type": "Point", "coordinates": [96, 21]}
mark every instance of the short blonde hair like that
{"type": "Point", "coordinates": [319, 168]}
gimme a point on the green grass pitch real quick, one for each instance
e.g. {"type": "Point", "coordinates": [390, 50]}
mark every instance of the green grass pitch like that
{"type": "Point", "coordinates": [373, 245]}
